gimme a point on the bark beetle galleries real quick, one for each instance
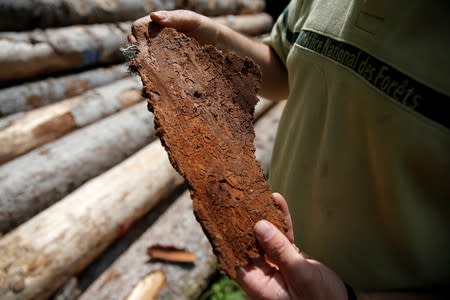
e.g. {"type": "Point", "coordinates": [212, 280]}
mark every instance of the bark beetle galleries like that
{"type": "Point", "coordinates": [203, 100]}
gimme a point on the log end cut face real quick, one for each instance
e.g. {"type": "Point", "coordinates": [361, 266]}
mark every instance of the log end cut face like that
{"type": "Point", "coordinates": [203, 101]}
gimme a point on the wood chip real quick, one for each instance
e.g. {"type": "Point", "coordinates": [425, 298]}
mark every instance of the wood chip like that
{"type": "Point", "coordinates": [171, 254]}
{"type": "Point", "coordinates": [149, 287]}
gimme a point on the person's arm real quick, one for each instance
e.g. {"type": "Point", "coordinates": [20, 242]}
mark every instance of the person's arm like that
{"type": "Point", "coordinates": [274, 84]}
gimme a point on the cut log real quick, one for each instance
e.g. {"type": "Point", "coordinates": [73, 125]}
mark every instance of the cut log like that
{"type": "Point", "coordinates": [265, 130]}
{"type": "Point", "coordinates": [37, 53]}
{"type": "Point", "coordinates": [24, 15]}
{"type": "Point", "coordinates": [176, 227]}
{"type": "Point", "coordinates": [30, 183]}
{"type": "Point", "coordinates": [224, 7]}
{"type": "Point", "coordinates": [47, 250]}
{"type": "Point", "coordinates": [68, 291]}
{"type": "Point", "coordinates": [29, 96]}
{"type": "Point", "coordinates": [48, 123]}
{"type": "Point", "coordinates": [8, 120]}
{"type": "Point", "coordinates": [252, 25]}
{"type": "Point", "coordinates": [203, 100]}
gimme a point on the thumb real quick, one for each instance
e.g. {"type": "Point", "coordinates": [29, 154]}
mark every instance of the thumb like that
{"type": "Point", "coordinates": [182, 20]}
{"type": "Point", "coordinates": [278, 249]}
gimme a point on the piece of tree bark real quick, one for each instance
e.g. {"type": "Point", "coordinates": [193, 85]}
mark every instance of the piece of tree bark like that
{"type": "Point", "coordinates": [41, 254]}
{"type": "Point", "coordinates": [203, 101]}
{"type": "Point", "coordinates": [252, 25]}
{"type": "Point", "coordinates": [48, 123]}
{"type": "Point", "coordinates": [88, 276]}
{"type": "Point", "coordinates": [39, 53]}
{"type": "Point", "coordinates": [24, 15]}
{"type": "Point", "coordinates": [29, 96]}
{"type": "Point", "coordinates": [176, 227]}
{"type": "Point", "coordinates": [32, 182]}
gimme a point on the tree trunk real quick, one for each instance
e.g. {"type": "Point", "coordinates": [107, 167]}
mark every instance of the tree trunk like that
{"type": "Point", "coordinates": [48, 123]}
{"type": "Point", "coordinates": [29, 96]}
{"type": "Point", "coordinates": [252, 25]}
{"type": "Point", "coordinates": [32, 182]}
{"type": "Point", "coordinates": [176, 227]}
{"type": "Point", "coordinates": [224, 7]}
{"type": "Point", "coordinates": [76, 158]}
{"type": "Point", "coordinates": [42, 254]}
{"type": "Point", "coordinates": [38, 53]}
{"type": "Point", "coordinates": [26, 15]}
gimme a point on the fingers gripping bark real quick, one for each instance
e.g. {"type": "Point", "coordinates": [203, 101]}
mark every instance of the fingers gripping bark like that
{"type": "Point", "coordinates": [197, 26]}
{"type": "Point", "coordinates": [181, 20]}
{"type": "Point", "coordinates": [281, 202]}
{"type": "Point", "coordinates": [277, 247]}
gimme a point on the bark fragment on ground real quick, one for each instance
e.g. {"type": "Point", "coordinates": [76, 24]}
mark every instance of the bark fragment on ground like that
{"type": "Point", "coordinates": [203, 100]}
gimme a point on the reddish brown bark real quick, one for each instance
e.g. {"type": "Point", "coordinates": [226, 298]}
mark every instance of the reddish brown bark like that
{"type": "Point", "coordinates": [203, 101]}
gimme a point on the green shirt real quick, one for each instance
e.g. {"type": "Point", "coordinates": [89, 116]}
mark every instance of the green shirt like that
{"type": "Point", "coordinates": [362, 150]}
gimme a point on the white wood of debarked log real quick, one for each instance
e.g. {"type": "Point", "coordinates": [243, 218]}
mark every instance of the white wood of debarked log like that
{"type": "Point", "coordinates": [40, 255]}
{"type": "Point", "coordinates": [252, 25]}
{"type": "Point", "coordinates": [48, 123]}
{"type": "Point", "coordinates": [32, 54]}
{"type": "Point", "coordinates": [32, 182]}
{"type": "Point", "coordinates": [28, 96]}
{"type": "Point", "coordinates": [23, 15]}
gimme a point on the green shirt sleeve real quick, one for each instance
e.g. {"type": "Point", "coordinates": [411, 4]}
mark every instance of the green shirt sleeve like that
{"type": "Point", "coordinates": [277, 39]}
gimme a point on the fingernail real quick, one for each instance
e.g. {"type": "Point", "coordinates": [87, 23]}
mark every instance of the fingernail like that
{"type": "Point", "coordinates": [264, 230]}
{"type": "Point", "coordinates": [161, 15]}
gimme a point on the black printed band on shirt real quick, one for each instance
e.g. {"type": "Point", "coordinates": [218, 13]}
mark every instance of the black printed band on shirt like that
{"type": "Point", "coordinates": [393, 83]}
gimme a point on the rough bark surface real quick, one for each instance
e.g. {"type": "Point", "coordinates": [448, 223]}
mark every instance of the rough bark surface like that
{"type": "Point", "coordinates": [182, 232]}
{"type": "Point", "coordinates": [203, 101]}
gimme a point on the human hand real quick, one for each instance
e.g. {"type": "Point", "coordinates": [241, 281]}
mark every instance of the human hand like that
{"type": "Point", "coordinates": [202, 28]}
{"type": "Point", "coordinates": [285, 272]}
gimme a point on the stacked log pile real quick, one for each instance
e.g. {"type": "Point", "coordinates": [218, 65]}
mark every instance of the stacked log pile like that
{"type": "Point", "coordinates": [80, 167]}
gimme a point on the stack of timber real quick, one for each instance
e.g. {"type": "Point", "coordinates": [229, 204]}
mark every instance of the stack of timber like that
{"type": "Point", "coordinates": [85, 186]}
